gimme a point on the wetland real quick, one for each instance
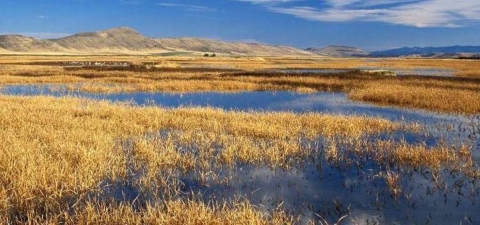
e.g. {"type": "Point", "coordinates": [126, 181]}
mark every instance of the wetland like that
{"type": "Point", "coordinates": [178, 143]}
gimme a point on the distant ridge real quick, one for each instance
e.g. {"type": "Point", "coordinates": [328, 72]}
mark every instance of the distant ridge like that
{"type": "Point", "coordinates": [338, 51]}
{"type": "Point", "coordinates": [438, 52]}
{"type": "Point", "coordinates": [467, 52]}
{"type": "Point", "coordinates": [112, 40]}
{"type": "Point", "coordinates": [235, 48]}
{"type": "Point", "coordinates": [124, 40]}
{"type": "Point", "coordinates": [19, 43]}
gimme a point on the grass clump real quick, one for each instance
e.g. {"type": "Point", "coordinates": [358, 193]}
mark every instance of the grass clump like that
{"type": "Point", "coordinates": [58, 153]}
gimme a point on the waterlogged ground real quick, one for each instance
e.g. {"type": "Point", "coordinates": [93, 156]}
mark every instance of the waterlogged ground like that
{"type": "Point", "coordinates": [354, 185]}
{"type": "Point", "coordinates": [434, 72]}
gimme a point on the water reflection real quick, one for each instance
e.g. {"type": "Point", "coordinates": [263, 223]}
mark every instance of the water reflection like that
{"type": "Point", "coordinates": [361, 193]}
{"type": "Point", "coordinates": [437, 72]}
{"type": "Point", "coordinates": [319, 189]}
{"type": "Point", "coordinates": [323, 102]}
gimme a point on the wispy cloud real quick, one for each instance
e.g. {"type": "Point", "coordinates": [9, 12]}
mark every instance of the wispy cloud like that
{"type": "Point", "coordinates": [42, 17]}
{"type": "Point", "coordinates": [130, 2]}
{"type": "Point", "coordinates": [268, 1]}
{"type": "Point", "coordinates": [188, 7]}
{"type": "Point", "coordinates": [417, 13]}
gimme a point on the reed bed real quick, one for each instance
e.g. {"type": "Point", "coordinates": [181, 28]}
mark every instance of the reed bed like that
{"type": "Point", "coordinates": [58, 153]}
{"type": "Point", "coordinates": [450, 95]}
{"type": "Point", "coordinates": [464, 68]}
{"type": "Point", "coordinates": [171, 212]}
{"type": "Point", "coordinates": [62, 157]}
{"type": "Point", "coordinates": [450, 100]}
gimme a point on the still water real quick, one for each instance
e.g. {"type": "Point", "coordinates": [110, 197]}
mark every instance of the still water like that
{"type": "Point", "coordinates": [317, 189]}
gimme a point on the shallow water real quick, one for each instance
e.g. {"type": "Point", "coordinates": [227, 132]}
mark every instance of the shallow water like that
{"type": "Point", "coordinates": [316, 71]}
{"type": "Point", "coordinates": [438, 125]}
{"type": "Point", "coordinates": [360, 193]}
{"type": "Point", "coordinates": [322, 102]}
{"type": "Point", "coordinates": [318, 189]}
{"type": "Point", "coordinates": [438, 72]}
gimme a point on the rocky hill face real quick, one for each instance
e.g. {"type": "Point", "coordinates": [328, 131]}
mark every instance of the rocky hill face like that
{"type": "Point", "coordinates": [338, 51]}
{"type": "Point", "coordinates": [19, 43]}
{"type": "Point", "coordinates": [234, 48]}
{"type": "Point", "coordinates": [113, 40]}
{"type": "Point", "coordinates": [128, 41]}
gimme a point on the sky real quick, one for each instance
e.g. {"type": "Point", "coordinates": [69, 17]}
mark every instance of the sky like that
{"type": "Point", "coordinates": [368, 24]}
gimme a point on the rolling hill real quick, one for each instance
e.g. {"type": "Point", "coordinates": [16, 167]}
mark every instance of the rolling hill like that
{"type": "Point", "coordinates": [125, 40]}
{"type": "Point", "coordinates": [235, 48]}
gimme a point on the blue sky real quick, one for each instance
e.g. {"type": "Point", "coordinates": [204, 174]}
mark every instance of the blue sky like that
{"type": "Point", "coordinates": [369, 24]}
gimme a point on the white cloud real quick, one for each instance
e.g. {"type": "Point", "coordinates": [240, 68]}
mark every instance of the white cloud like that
{"type": "Point", "coordinates": [342, 3]}
{"type": "Point", "coordinates": [268, 1]}
{"type": "Point", "coordinates": [366, 3]}
{"type": "Point", "coordinates": [188, 7]}
{"type": "Point", "coordinates": [130, 2]}
{"type": "Point", "coordinates": [42, 17]}
{"type": "Point", "coordinates": [418, 13]}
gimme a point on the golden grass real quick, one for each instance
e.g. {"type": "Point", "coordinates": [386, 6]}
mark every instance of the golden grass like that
{"type": "Point", "coordinates": [57, 151]}
{"type": "Point", "coordinates": [450, 95]}
{"type": "Point", "coordinates": [171, 212]}
{"type": "Point", "coordinates": [420, 156]}
{"type": "Point", "coordinates": [467, 68]}
{"type": "Point", "coordinates": [423, 97]}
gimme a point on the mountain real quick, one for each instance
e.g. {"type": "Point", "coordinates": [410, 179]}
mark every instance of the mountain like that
{"type": "Point", "coordinates": [117, 40]}
{"type": "Point", "coordinates": [19, 43]}
{"type": "Point", "coordinates": [437, 52]}
{"type": "Point", "coordinates": [338, 51]}
{"type": "Point", "coordinates": [125, 40]}
{"type": "Point", "coordinates": [113, 40]}
{"type": "Point", "coordinates": [235, 48]}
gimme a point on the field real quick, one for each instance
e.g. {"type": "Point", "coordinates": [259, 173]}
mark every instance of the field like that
{"type": "Point", "coordinates": [69, 158]}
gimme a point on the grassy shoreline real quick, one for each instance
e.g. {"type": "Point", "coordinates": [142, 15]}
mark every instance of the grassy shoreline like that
{"type": "Point", "coordinates": [447, 95]}
{"type": "Point", "coordinates": [57, 150]}
{"type": "Point", "coordinates": [60, 155]}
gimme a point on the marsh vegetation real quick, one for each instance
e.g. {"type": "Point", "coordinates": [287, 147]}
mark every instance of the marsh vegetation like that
{"type": "Point", "coordinates": [443, 94]}
{"type": "Point", "coordinates": [70, 157]}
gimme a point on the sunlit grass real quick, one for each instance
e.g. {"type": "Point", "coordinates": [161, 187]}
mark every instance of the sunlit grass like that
{"type": "Point", "coordinates": [57, 151]}
{"type": "Point", "coordinates": [451, 95]}
{"type": "Point", "coordinates": [58, 155]}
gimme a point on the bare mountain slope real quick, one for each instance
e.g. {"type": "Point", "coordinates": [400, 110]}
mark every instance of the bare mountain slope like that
{"type": "Point", "coordinates": [125, 40]}
{"type": "Point", "coordinates": [112, 40]}
{"type": "Point", "coordinates": [206, 45]}
{"type": "Point", "coordinates": [19, 43]}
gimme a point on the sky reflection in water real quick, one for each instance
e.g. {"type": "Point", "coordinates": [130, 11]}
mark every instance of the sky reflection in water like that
{"type": "Point", "coordinates": [332, 191]}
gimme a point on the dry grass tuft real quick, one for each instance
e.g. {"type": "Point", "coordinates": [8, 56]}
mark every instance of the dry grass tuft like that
{"type": "Point", "coordinates": [57, 151]}
{"type": "Point", "coordinates": [191, 75]}
{"type": "Point", "coordinates": [59, 155]}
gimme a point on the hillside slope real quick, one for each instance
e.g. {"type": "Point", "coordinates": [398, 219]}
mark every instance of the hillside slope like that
{"type": "Point", "coordinates": [125, 40]}
{"type": "Point", "coordinates": [112, 40]}
{"type": "Point", "coordinates": [215, 46]}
